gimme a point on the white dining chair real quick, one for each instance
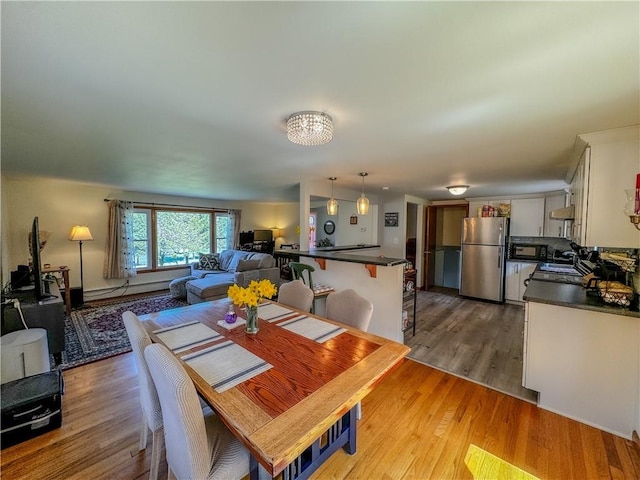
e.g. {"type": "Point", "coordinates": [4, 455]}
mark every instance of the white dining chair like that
{"type": "Point", "coordinates": [199, 446]}
{"type": "Point", "coordinates": [296, 294]}
{"type": "Point", "coordinates": [348, 307]}
{"type": "Point", "coordinates": [151, 412]}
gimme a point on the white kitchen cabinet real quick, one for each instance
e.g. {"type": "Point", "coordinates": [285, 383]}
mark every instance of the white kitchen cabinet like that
{"type": "Point", "coordinates": [608, 165]}
{"type": "Point", "coordinates": [584, 364]}
{"type": "Point", "coordinates": [527, 217]}
{"type": "Point", "coordinates": [515, 275]}
{"type": "Point", "coordinates": [578, 196]}
{"type": "Point", "coordinates": [553, 227]}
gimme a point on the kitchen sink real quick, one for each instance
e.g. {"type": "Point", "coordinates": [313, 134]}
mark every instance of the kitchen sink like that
{"type": "Point", "coordinates": [562, 268]}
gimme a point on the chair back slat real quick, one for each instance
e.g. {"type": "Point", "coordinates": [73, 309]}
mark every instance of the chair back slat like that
{"type": "Point", "coordinates": [298, 270]}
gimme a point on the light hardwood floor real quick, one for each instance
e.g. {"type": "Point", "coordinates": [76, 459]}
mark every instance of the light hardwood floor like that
{"type": "Point", "coordinates": [482, 341]}
{"type": "Point", "coordinates": [418, 423]}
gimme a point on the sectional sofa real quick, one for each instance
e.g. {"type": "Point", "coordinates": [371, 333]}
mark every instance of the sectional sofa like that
{"type": "Point", "coordinates": [215, 273]}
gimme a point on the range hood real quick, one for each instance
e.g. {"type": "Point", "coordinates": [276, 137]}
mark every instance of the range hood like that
{"type": "Point", "coordinates": [566, 213]}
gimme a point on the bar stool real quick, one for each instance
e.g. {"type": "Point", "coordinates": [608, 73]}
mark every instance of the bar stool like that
{"type": "Point", "coordinates": [298, 271]}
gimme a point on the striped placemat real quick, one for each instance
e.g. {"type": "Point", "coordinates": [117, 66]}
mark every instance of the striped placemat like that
{"type": "Point", "coordinates": [186, 335]}
{"type": "Point", "coordinates": [312, 328]}
{"type": "Point", "coordinates": [272, 312]}
{"type": "Point", "coordinates": [225, 365]}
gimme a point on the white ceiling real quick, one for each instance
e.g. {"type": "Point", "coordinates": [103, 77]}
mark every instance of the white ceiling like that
{"type": "Point", "coordinates": [190, 98]}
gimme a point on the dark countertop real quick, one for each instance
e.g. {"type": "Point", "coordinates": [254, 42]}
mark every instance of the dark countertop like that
{"type": "Point", "coordinates": [344, 247]}
{"type": "Point", "coordinates": [573, 296]}
{"type": "Point", "coordinates": [339, 254]}
{"type": "Point", "coordinates": [522, 260]}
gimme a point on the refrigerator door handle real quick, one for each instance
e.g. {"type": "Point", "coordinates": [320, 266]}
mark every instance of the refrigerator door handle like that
{"type": "Point", "coordinates": [499, 257]}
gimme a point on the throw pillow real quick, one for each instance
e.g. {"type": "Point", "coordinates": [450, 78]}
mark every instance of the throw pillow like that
{"type": "Point", "coordinates": [244, 265]}
{"type": "Point", "coordinates": [209, 261]}
{"type": "Point", "coordinates": [237, 256]}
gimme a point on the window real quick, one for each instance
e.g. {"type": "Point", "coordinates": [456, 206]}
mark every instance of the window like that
{"type": "Point", "coordinates": [142, 238]}
{"type": "Point", "coordinates": [165, 238]}
{"type": "Point", "coordinates": [224, 233]}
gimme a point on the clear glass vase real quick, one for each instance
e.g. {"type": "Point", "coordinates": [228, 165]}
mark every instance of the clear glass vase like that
{"type": "Point", "coordinates": [251, 326]}
{"type": "Point", "coordinates": [630, 205]}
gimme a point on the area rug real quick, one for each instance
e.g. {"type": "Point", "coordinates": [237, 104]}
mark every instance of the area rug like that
{"type": "Point", "coordinates": [96, 332]}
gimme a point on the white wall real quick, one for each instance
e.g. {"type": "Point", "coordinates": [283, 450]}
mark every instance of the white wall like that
{"type": "Point", "coordinates": [452, 225]}
{"type": "Point", "coordinates": [365, 231]}
{"type": "Point", "coordinates": [393, 239]}
{"type": "Point", "coordinates": [268, 215]}
{"type": "Point", "coordinates": [346, 200]}
{"type": "Point", "coordinates": [61, 204]}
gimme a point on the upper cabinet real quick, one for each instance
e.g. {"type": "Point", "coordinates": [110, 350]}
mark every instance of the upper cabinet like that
{"type": "Point", "coordinates": [527, 217]}
{"type": "Point", "coordinates": [553, 227]}
{"type": "Point", "coordinates": [608, 164]}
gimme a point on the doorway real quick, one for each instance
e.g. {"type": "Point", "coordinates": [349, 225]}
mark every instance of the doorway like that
{"type": "Point", "coordinates": [443, 225]}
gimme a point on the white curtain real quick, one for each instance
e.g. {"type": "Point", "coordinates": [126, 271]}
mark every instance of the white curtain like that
{"type": "Point", "coordinates": [120, 259]}
{"type": "Point", "coordinates": [233, 234]}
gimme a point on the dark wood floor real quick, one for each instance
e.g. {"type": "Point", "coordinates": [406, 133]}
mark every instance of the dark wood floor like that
{"type": "Point", "coordinates": [418, 423]}
{"type": "Point", "coordinates": [478, 340]}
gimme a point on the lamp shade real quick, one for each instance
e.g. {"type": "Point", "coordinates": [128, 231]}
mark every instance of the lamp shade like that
{"type": "Point", "coordinates": [80, 233]}
{"type": "Point", "coordinates": [332, 203]}
{"type": "Point", "coordinates": [362, 205]}
{"type": "Point", "coordinates": [332, 206]}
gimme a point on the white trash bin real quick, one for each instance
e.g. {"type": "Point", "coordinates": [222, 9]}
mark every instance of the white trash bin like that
{"type": "Point", "coordinates": [24, 353]}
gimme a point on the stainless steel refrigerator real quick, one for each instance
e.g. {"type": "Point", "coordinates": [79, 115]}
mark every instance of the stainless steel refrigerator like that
{"type": "Point", "coordinates": [483, 257]}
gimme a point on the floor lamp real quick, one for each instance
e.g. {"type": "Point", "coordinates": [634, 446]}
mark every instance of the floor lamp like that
{"type": "Point", "coordinates": [80, 233]}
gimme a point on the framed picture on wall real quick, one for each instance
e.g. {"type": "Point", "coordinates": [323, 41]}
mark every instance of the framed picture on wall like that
{"type": "Point", "coordinates": [353, 220]}
{"type": "Point", "coordinates": [391, 219]}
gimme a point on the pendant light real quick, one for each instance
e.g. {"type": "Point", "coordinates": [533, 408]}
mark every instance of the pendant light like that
{"type": "Point", "coordinates": [332, 204]}
{"type": "Point", "coordinates": [363, 202]}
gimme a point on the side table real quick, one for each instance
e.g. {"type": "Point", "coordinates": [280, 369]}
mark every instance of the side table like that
{"type": "Point", "coordinates": [67, 288]}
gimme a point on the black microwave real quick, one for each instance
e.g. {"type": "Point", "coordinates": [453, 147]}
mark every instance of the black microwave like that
{"type": "Point", "coordinates": [527, 251]}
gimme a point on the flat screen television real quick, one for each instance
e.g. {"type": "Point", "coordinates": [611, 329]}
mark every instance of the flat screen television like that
{"type": "Point", "coordinates": [262, 235]}
{"type": "Point", "coordinates": [36, 266]}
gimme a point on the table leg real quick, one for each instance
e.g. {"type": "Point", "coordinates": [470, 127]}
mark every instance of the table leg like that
{"type": "Point", "coordinates": [350, 447]}
{"type": "Point", "coordinates": [256, 472]}
{"type": "Point", "coordinates": [67, 291]}
{"type": "Point", "coordinates": [342, 434]}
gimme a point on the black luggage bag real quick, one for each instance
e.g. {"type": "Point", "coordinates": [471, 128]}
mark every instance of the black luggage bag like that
{"type": "Point", "coordinates": [31, 406]}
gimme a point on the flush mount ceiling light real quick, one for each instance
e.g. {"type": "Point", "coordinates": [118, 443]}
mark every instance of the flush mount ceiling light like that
{"type": "Point", "coordinates": [332, 204]}
{"type": "Point", "coordinates": [457, 189]}
{"type": "Point", "coordinates": [310, 128]}
{"type": "Point", "coordinates": [362, 205]}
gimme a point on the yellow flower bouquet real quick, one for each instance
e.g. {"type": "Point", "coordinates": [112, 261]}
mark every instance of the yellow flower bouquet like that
{"type": "Point", "coordinates": [250, 297]}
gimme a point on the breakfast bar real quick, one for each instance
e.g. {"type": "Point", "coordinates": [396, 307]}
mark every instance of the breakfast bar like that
{"type": "Point", "coordinates": [364, 269]}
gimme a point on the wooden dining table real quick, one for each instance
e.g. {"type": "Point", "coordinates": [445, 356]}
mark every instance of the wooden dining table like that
{"type": "Point", "coordinates": [298, 412]}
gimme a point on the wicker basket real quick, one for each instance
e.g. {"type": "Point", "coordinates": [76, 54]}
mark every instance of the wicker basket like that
{"type": "Point", "coordinates": [628, 264]}
{"type": "Point", "coordinates": [615, 293]}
